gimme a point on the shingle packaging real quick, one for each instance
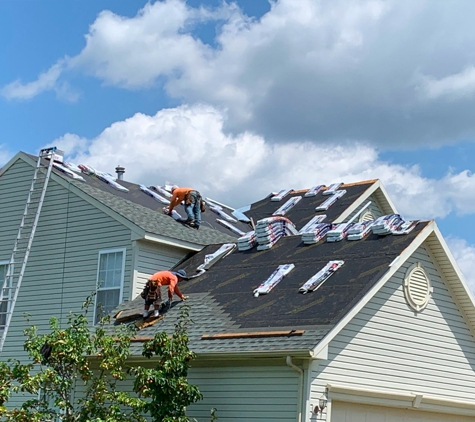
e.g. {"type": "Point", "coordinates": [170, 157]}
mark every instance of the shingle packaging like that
{"type": "Point", "coordinates": [338, 232]}
{"type": "Point", "coordinates": [360, 230]}
{"type": "Point", "coordinates": [275, 278]}
{"type": "Point", "coordinates": [283, 193]}
{"type": "Point", "coordinates": [284, 209]}
{"type": "Point", "coordinates": [211, 259]}
{"type": "Point", "coordinates": [219, 210]}
{"type": "Point", "coordinates": [317, 233]}
{"type": "Point", "coordinates": [405, 227]}
{"type": "Point", "coordinates": [313, 222]}
{"type": "Point", "coordinates": [175, 214]}
{"type": "Point", "coordinates": [229, 226]}
{"type": "Point", "coordinates": [319, 278]}
{"type": "Point", "coordinates": [68, 172]}
{"type": "Point", "coordinates": [248, 241]}
{"type": "Point", "coordinates": [101, 175]}
{"type": "Point", "coordinates": [386, 224]}
{"type": "Point", "coordinates": [269, 230]}
{"type": "Point", "coordinates": [332, 189]}
{"type": "Point", "coordinates": [330, 201]}
{"type": "Point", "coordinates": [154, 195]}
{"type": "Point", "coordinates": [314, 190]}
{"type": "Point", "coordinates": [162, 191]}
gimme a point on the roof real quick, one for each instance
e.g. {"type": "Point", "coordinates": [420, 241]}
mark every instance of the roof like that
{"type": "Point", "coordinates": [222, 301]}
{"type": "Point", "coordinates": [140, 209]}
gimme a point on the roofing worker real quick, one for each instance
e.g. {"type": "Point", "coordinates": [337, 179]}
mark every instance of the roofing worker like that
{"type": "Point", "coordinates": [152, 294]}
{"type": "Point", "coordinates": [192, 199]}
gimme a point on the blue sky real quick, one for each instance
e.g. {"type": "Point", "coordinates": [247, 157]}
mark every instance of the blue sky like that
{"type": "Point", "coordinates": [243, 98]}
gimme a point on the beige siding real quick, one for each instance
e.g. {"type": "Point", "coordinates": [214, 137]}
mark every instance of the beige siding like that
{"type": "Point", "coordinates": [151, 258]}
{"type": "Point", "coordinates": [62, 268]}
{"type": "Point", "coordinates": [389, 347]}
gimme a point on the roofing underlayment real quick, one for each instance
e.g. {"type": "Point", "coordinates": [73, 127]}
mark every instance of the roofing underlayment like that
{"type": "Point", "coordinates": [222, 298]}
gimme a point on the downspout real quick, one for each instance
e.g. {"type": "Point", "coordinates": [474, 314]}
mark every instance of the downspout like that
{"type": "Point", "coordinates": [290, 364]}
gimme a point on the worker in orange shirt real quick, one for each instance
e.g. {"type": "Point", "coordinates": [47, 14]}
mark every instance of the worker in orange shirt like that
{"type": "Point", "coordinates": [192, 200]}
{"type": "Point", "coordinates": [152, 293]}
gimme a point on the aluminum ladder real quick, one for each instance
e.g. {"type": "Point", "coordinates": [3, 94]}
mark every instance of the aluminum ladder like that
{"type": "Point", "coordinates": [24, 240]}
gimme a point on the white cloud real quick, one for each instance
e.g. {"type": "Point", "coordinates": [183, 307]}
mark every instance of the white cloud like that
{"type": "Point", "coordinates": [459, 85]}
{"type": "Point", "coordinates": [464, 254]}
{"type": "Point", "coordinates": [47, 81]}
{"type": "Point", "coordinates": [188, 145]}
{"type": "Point", "coordinates": [5, 154]}
{"type": "Point", "coordinates": [308, 69]}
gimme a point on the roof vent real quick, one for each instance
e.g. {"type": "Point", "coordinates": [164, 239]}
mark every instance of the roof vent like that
{"type": "Point", "coordinates": [366, 216]}
{"type": "Point", "coordinates": [417, 288]}
{"type": "Point", "coordinates": [120, 172]}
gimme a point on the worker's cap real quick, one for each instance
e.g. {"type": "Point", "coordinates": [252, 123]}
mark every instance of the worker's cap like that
{"type": "Point", "coordinates": [180, 273]}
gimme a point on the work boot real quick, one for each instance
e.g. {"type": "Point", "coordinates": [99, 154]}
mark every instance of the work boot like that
{"type": "Point", "coordinates": [190, 221]}
{"type": "Point", "coordinates": [145, 314]}
{"type": "Point", "coordinates": [156, 313]}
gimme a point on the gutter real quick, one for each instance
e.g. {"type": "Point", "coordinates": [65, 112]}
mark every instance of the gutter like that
{"type": "Point", "coordinates": [290, 364]}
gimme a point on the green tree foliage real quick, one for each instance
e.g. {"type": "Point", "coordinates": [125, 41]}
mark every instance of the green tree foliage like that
{"type": "Point", "coordinates": [165, 386]}
{"type": "Point", "coordinates": [94, 361]}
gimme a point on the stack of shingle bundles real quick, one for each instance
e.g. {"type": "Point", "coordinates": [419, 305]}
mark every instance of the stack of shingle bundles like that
{"type": "Point", "coordinates": [154, 195]}
{"type": "Point", "coordinates": [386, 224]}
{"type": "Point", "coordinates": [314, 221]}
{"type": "Point", "coordinates": [331, 200]}
{"type": "Point", "coordinates": [313, 191]}
{"type": "Point", "coordinates": [270, 230]}
{"type": "Point", "coordinates": [248, 241]}
{"type": "Point", "coordinates": [278, 197]}
{"type": "Point", "coordinates": [319, 278]}
{"type": "Point", "coordinates": [284, 209]}
{"type": "Point", "coordinates": [219, 210]}
{"type": "Point", "coordinates": [339, 232]}
{"type": "Point", "coordinates": [360, 230]}
{"type": "Point", "coordinates": [332, 189]}
{"type": "Point", "coordinates": [275, 278]}
{"type": "Point", "coordinates": [405, 227]}
{"type": "Point", "coordinates": [230, 227]}
{"type": "Point", "coordinates": [317, 233]}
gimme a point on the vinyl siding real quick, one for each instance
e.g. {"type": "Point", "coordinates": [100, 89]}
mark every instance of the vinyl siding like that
{"type": "Point", "coordinates": [374, 208]}
{"type": "Point", "coordinates": [62, 267]}
{"type": "Point", "coordinates": [387, 346]}
{"type": "Point", "coordinates": [152, 258]}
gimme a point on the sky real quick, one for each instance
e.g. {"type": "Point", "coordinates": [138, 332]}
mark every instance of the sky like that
{"type": "Point", "coordinates": [238, 99]}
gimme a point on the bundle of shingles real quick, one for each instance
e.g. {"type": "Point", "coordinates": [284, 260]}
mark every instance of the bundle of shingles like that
{"type": "Point", "coordinates": [360, 230]}
{"type": "Point", "coordinates": [270, 230]}
{"type": "Point", "coordinates": [101, 175]}
{"type": "Point", "coordinates": [392, 224]}
{"type": "Point", "coordinates": [338, 232]}
{"type": "Point", "coordinates": [316, 233]}
{"type": "Point", "coordinates": [248, 241]}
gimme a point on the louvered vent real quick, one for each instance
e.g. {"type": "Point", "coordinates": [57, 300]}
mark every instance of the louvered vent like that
{"type": "Point", "coordinates": [366, 216]}
{"type": "Point", "coordinates": [417, 288]}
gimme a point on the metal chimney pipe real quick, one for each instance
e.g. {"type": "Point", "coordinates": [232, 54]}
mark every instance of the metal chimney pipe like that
{"type": "Point", "coordinates": [120, 172]}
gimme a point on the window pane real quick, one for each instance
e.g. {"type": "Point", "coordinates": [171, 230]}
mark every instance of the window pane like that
{"type": "Point", "coordinates": [4, 303]}
{"type": "Point", "coordinates": [110, 270]}
{"type": "Point", "coordinates": [106, 301]}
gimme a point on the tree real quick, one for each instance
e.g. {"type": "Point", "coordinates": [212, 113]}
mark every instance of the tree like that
{"type": "Point", "coordinates": [165, 385]}
{"type": "Point", "coordinates": [77, 356]}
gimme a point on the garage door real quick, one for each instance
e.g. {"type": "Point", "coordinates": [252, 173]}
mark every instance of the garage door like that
{"type": "Point", "coordinates": [351, 412]}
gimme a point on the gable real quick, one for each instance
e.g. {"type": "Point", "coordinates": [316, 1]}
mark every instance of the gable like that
{"type": "Point", "coordinates": [389, 347]}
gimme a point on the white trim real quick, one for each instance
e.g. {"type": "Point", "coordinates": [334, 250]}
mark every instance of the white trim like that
{"type": "Point", "coordinates": [395, 265]}
{"type": "Point", "coordinates": [182, 244]}
{"type": "Point", "coordinates": [408, 280]}
{"type": "Point", "coordinates": [121, 287]}
{"type": "Point", "coordinates": [400, 399]}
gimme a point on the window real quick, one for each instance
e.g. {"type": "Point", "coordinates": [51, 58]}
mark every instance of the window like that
{"type": "Point", "coordinates": [110, 280]}
{"type": "Point", "coordinates": [4, 303]}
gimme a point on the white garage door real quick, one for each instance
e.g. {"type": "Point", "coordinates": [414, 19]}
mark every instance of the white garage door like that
{"type": "Point", "coordinates": [350, 412]}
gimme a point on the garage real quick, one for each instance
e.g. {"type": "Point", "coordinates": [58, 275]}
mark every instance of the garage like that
{"type": "Point", "coordinates": [352, 412]}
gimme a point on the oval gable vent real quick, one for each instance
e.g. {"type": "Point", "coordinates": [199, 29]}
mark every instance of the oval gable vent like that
{"type": "Point", "coordinates": [417, 288]}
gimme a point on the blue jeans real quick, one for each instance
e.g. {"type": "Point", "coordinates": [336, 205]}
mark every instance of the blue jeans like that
{"type": "Point", "coordinates": [193, 210]}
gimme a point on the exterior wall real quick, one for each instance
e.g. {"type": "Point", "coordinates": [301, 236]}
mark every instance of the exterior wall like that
{"type": "Point", "coordinates": [246, 393]}
{"type": "Point", "coordinates": [374, 208]}
{"type": "Point", "coordinates": [62, 267]}
{"type": "Point", "coordinates": [387, 346]}
{"type": "Point", "coordinates": [150, 258]}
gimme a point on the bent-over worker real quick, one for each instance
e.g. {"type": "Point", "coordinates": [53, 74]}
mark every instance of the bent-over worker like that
{"type": "Point", "coordinates": [192, 199]}
{"type": "Point", "coordinates": [152, 293]}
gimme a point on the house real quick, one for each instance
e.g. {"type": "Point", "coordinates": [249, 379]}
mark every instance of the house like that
{"type": "Point", "coordinates": [388, 337]}
{"type": "Point", "coordinates": [92, 237]}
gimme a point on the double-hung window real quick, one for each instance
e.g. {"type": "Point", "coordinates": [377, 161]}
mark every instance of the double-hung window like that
{"type": "Point", "coordinates": [4, 303]}
{"type": "Point", "coordinates": [110, 281]}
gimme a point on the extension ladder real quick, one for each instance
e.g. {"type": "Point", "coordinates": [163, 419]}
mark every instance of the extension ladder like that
{"type": "Point", "coordinates": [24, 240]}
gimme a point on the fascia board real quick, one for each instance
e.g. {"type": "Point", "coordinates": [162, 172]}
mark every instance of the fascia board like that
{"type": "Point", "coordinates": [393, 267]}
{"type": "Point", "coordinates": [388, 198]}
{"type": "Point", "coordinates": [152, 237]}
{"type": "Point", "coordinates": [18, 156]}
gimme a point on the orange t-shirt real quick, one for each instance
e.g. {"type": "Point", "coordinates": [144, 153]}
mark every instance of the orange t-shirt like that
{"type": "Point", "coordinates": [166, 278]}
{"type": "Point", "coordinates": [178, 196]}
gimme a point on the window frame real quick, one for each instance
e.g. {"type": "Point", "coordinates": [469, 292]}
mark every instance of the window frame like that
{"type": "Point", "coordinates": [4, 262]}
{"type": "Point", "coordinates": [122, 278]}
